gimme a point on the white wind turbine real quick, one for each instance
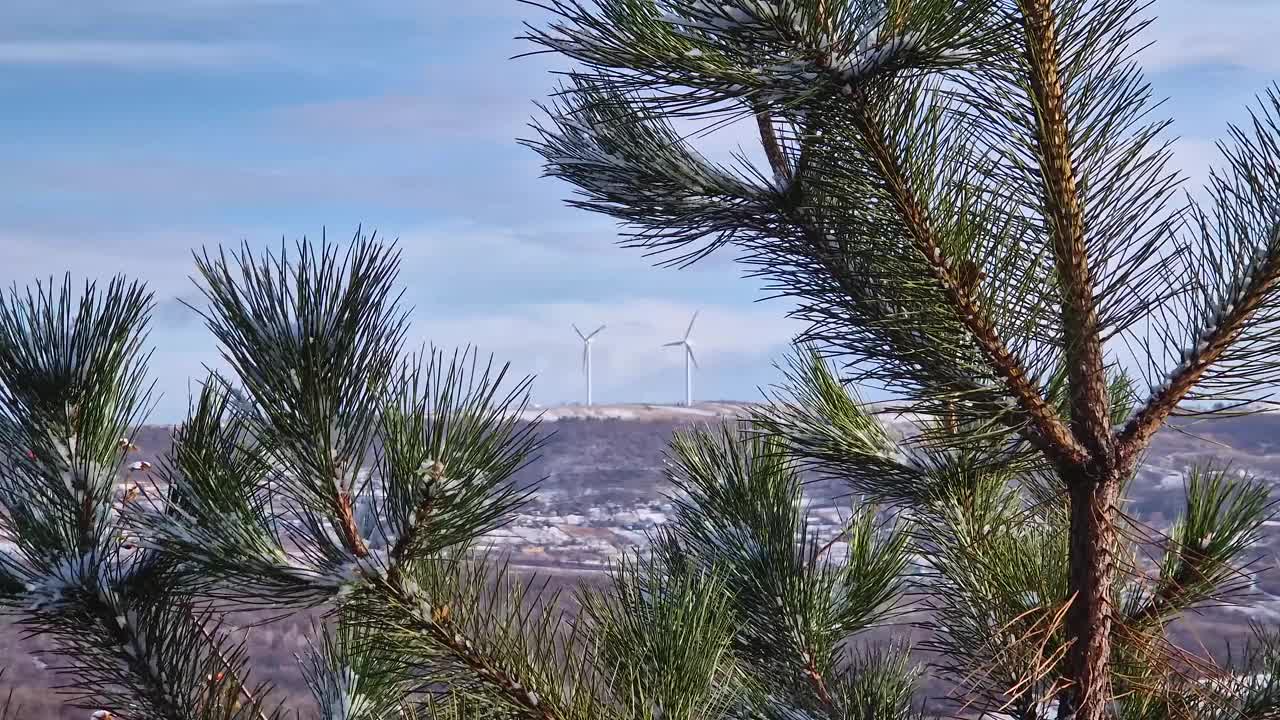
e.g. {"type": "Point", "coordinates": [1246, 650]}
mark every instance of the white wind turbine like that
{"type": "Point", "coordinates": [688, 358]}
{"type": "Point", "coordinates": [586, 355]}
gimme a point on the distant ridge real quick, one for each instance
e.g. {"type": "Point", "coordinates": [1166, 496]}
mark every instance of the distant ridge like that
{"type": "Point", "coordinates": [712, 412]}
{"type": "Point", "coordinates": [721, 409]}
{"type": "Point", "coordinates": [639, 411]}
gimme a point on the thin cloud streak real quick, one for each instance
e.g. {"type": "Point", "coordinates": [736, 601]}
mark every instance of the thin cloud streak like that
{"type": "Point", "coordinates": [140, 55]}
{"type": "Point", "coordinates": [1189, 33]}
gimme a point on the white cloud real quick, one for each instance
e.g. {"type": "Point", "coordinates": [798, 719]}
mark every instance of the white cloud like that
{"type": "Point", "coordinates": [217, 183]}
{"type": "Point", "coordinates": [472, 245]}
{"type": "Point", "coordinates": [161, 258]}
{"type": "Point", "coordinates": [18, 16]}
{"type": "Point", "coordinates": [502, 291]}
{"type": "Point", "coordinates": [1193, 32]}
{"type": "Point", "coordinates": [469, 114]}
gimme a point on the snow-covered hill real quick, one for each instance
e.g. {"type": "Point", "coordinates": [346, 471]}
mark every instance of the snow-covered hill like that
{"type": "Point", "coordinates": [641, 412]}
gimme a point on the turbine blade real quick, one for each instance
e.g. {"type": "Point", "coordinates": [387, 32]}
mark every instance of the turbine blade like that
{"type": "Point", "coordinates": [673, 344]}
{"type": "Point", "coordinates": [691, 321]}
{"type": "Point", "coordinates": [584, 358]}
{"type": "Point", "coordinates": [594, 333]}
{"type": "Point", "coordinates": [694, 358]}
{"type": "Point", "coordinates": [575, 329]}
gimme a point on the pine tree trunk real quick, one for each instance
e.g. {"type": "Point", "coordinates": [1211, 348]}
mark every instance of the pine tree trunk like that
{"type": "Point", "coordinates": [1092, 571]}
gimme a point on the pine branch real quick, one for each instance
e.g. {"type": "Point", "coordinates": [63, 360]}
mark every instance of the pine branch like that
{"type": "Point", "coordinates": [1223, 517]}
{"type": "Point", "coordinates": [146, 656]}
{"type": "Point", "coordinates": [1263, 278]}
{"type": "Point", "coordinates": [505, 681]}
{"type": "Point", "coordinates": [773, 148]}
{"type": "Point", "coordinates": [72, 382]}
{"type": "Point", "coordinates": [894, 194]}
{"type": "Point", "coordinates": [663, 642]}
{"type": "Point", "coordinates": [738, 518]}
{"type": "Point", "coordinates": [451, 440]}
{"type": "Point", "coordinates": [350, 675]}
{"type": "Point", "coordinates": [406, 593]}
{"type": "Point", "coordinates": [428, 602]}
{"type": "Point", "coordinates": [227, 664]}
{"type": "Point", "coordinates": [1046, 430]}
{"type": "Point", "coordinates": [1065, 214]}
{"type": "Point", "coordinates": [1165, 600]}
{"type": "Point", "coordinates": [959, 283]}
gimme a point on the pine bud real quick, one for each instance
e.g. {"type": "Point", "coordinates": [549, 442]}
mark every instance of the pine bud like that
{"type": "Point", "coordinates": [970, 275]}
{"type": "Point", "coordinates": [440, 615]}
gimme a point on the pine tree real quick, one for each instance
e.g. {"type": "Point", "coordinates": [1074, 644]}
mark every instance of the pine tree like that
{"type": "Point", "coordinates": [971, 205]}
{"type": "Point", "coordinates": [273, 492]}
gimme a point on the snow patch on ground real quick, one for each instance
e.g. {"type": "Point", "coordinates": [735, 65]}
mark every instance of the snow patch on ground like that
{"type": "Point", "coordinates": [704, 410]}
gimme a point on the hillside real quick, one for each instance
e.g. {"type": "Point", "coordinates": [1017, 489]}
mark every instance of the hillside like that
{"type": "Point", "coordinates": [601, 488]}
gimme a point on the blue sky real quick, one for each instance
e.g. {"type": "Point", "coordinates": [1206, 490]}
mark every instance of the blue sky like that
{"type": "Point", "coordinates": [131, 135]}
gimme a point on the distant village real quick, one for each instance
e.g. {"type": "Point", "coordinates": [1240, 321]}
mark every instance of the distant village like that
{"type": "Point", "coordinates": [551, 532]}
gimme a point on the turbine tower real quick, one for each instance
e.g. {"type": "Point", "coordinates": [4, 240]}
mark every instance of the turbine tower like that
{"type": "Point", "coordinates": [688, 358]}
{"type": "Point", "coordinates": [586, 356]}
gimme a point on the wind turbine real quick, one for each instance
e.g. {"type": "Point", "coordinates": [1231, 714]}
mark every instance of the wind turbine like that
{"type": "Point", "coordinates": [688, 358]}
{"type": "Point", "coordinates": [586, 355]}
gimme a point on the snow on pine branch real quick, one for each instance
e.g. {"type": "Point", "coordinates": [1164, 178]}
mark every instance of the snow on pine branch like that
{"type": "Point", "coordinates": [869, 59]}
{"type": "Point", "coordinates": [1223, 311]}
{"type": "Point", "coordinates": [320, 564]}
{"type": "Point", "coordinates": [592, 154]}
{"type": "Point", "coordinates": [337, 694]}
{"type": "Point", "coordinates": [799, 74]}
{"type": "Point", "coordinates": [764, 18]}
{"type": "Point", "coordinates": [704, 52]}
{"type": "Point", "coordinates": [56, 587]}
{"type": "Point", "coordinates": [339, 578]}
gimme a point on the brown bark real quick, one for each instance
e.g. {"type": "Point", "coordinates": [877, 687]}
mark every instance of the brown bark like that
{"type": "Point", "coordinates": [772, 146]}
{"type": "Point", "coordinates": [350, 533]}
{"type": "Point", "coordinates": [1092, 556]}
{"type": "Point", "coordinates": [818, 683]}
